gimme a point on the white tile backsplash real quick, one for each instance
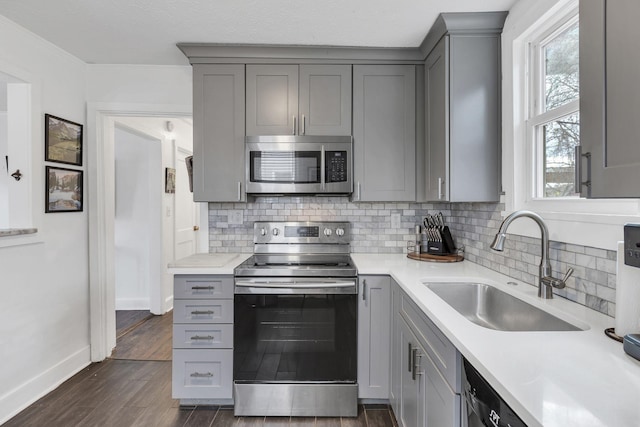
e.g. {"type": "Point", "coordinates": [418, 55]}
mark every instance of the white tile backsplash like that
{"type": "Point", "coordinates": [473, 225]}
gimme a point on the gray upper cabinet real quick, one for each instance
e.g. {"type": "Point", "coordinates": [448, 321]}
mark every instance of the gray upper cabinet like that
{"type": "Point", "coordinates": [609, 98]}
{"type": "Point", "coordinates": [298, 100]}
{"type": "Point", "coordinates": [218, 132]}
{"type": "Point", "coordinates": [384, 132]}
{"type": "Point", "coordinates": [462, 108]}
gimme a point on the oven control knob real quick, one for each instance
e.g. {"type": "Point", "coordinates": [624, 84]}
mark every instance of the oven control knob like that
{"type": "Point", "coordinates": [327, 232]}
{"type": "Point", "coordinates": [263, 231]}
{"type": "Point", "coordinates": [340, 231]}
{"type": "Point", "coordinates": [275, 231]}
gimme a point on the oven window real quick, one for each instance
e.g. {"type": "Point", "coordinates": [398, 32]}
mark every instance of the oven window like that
{"type": "Point", "coordinates": [298, 167]}
{"type": "Point", "coordinates": [289, 338]}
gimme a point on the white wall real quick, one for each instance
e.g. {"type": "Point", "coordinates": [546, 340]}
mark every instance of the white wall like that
{"type": "Point", "coordinates": [44, 311]}
{"type": "Point", "coordinates": [138, 233]}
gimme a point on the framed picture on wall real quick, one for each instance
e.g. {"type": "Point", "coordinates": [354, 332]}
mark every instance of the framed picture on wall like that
{"type": "Point", "coordinates": [64, 190]}
{"type": "Point", "coordinates": [62, 141]}
{"type": "Point", "coordinates": [169, 180]}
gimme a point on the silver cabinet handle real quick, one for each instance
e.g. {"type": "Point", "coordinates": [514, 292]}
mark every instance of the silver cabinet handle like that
{"type": "Point", "coordinates": [200, 338]}
{"type": "Point", "coordinates": [364, 290]}
{"type": "Point", "coordinates": [410, 361]}
{"type": "Point", "coordinates": [358, 192]}
{"type": "Point", "coordinates": [202, 375]}
{"type": "Point", "coordinates": [440, 193]}
{"type": "Point", "coordinates": [199, 312]}
{"type": "Point", "coordinates": [202, 288]}
{"type": "Point", "coordinates": [293, 132]}
{"type": "Point", "coordinates": [304, 125]}
{"type": "Point", "coordinates": [323, 177]}
{"type": "Point", "coordinates": [239, 191]}
{"type": "Point", "coordinates": [578, 182]}
{"type": "Point", "coordinates": [416, 364]}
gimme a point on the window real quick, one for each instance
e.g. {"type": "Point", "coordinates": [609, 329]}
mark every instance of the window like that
{"type": "Point", "coordinates": [16, 192]}
{"type": "Point", "coordinates": [554, 117]}
{"type": "Point", "coordinates": [541, 114]}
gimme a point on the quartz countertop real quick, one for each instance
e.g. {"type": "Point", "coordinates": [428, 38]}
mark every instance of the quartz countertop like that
{"type": "Point", "coordinates": [207, 263]}
{"type": "Point", "coordinates": [550, 379]}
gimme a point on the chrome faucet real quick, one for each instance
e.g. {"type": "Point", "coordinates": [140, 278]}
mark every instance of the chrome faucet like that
{"type": "Point", "coordinates": [546, 281]}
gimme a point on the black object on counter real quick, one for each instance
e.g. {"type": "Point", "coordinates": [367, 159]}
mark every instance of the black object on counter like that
{"type": "Point", "coordinates": [631, 345]}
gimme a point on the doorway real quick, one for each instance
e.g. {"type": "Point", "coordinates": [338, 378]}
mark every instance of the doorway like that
{"type": "Point", "coordinates": [107, 122]}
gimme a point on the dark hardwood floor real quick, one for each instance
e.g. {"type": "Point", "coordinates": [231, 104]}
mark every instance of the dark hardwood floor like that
{"type": "Point", "coordinates": [138, 393]}
{"type": "Point", "coordinates": [149, 340]}
{"type": "Point", "coordinates": [128, 320]}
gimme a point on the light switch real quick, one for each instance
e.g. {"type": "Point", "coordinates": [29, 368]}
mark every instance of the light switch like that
{"type": "Point", "coordinates": [235, 217]}
{"type": "Point", "coordinates": [395, 220]}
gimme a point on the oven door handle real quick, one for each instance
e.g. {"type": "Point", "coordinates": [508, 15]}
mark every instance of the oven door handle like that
{"type": "Point", "coordinates": [296, 287]}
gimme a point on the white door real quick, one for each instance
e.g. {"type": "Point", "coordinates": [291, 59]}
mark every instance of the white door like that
{"type": "Point", "coordinates": [187, 211]}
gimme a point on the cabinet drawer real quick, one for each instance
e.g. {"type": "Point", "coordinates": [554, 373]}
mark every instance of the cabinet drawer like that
{"type": "Point", "coordinates": [441, 351]}
{"type": "Point", "coordinates": [203, 311]}
{"type": "Point", "coordinates": [202, 286]}
{"type": "Point", "coordinates": [202, 374]}
{"type": "Point", "coordinates": [203, 336]}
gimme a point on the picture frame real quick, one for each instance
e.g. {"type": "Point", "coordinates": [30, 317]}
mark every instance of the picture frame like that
{"type": "Point", "coordinates": [169, 180]}
{"type": "Point", "coordinates": [64, 190]}
{"type": "Point", "coordinates": [62, 141]}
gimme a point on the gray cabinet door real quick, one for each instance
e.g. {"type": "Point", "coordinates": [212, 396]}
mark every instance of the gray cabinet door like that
{"type": "Point", "coordinates": [463, 127]}
{"type": "Point", "coordinates": [272, 99]}
{"type": "Point", "coordinates": [325, 100]}
{"type": "Point", "coordinates": [384, 132]}
{"type": "Point", "coordinates": [396, 365]}
{"type": "Point", "coordinates": [218, 132]}
{"type": "Point", "coordinates": [412, 401]}
{"type": "Point", "coordinates": [374, 311]}
{"type": "Point", "coordinates": [437, 121]}
{"type": "Point", "coordinates": [610, 97]}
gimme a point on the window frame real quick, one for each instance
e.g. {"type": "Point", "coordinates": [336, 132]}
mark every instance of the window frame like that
{"type": "Point", "coordinates": [588, 222]}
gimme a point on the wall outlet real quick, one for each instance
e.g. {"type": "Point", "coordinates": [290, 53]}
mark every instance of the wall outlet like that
{"type": "Point", "coordinates": [395, 220]}
{"type": "Point", "coordinates": [236, 217]}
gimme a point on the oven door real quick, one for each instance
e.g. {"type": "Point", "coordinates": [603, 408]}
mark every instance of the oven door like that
{"type": "Point", "coordinates": [295, 330]}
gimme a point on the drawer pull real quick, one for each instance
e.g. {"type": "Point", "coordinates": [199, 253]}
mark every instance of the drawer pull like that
{"type": "Point", "coordinates": [202, 288]}
{"type": "Point", "coordinates": [202, 375]}
{"type": "Point", "coordinates": [198, 337]}
{"type": "Point", "coordinates": [198, 312]}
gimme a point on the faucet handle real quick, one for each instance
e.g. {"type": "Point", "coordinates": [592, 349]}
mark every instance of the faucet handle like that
{"type": "Point", "coordinates": [567, 274]}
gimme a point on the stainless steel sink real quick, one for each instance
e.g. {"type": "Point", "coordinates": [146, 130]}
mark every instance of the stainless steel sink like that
{"type": "Point", "coordinates": [492, 308]}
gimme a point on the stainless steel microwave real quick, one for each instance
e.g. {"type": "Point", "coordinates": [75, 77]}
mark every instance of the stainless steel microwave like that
{"type": "Point", "coordinates": [289, 164]}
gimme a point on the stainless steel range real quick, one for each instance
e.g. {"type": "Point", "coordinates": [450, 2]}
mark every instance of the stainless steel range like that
{"type": "Point", "coordinates": [295, 327]}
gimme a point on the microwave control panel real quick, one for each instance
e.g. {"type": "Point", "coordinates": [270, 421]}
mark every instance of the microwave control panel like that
{"type": "Point", "coordinates": [336, 166]}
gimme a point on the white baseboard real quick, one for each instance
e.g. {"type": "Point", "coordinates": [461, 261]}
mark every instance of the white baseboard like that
{"type": "Point", "coordinates": [132, 304]}
{"type": "Point", "coordinates": [168, 304]}
{"type": "Point", "coordinates": [14, 401]}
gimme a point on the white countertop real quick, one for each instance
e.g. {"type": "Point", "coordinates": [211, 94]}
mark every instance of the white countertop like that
{"type": "Point", "coordinates": [550, 379]}
{"type": "Point", "coordinates": [207, 263]}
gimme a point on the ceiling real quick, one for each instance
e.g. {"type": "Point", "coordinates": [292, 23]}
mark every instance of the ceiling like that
{"type": "Point", "coordinates": [146, 31]}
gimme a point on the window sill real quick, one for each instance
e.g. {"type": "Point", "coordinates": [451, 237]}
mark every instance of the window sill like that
{"type": "Point", "coordinates": [7, 232]}
{"type": "Point", "coordinates": [18, 237]}
{"type": "Point", "coordinates": [596, 230]}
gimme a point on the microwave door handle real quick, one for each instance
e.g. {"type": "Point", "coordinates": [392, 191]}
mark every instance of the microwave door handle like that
{"type": "Point", "coordinates": [322, 169]}
{"type": "Point", "coordinates": [288, 285]}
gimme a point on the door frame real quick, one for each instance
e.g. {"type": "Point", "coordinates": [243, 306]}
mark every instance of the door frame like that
{"type": "Point", "coordinates": [101, 119]}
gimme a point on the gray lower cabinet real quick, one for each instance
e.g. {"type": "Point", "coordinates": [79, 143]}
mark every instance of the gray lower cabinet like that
{"type": "Point", "coordinates": [384, 132]}
{"type": "Point", "coordinates": [307, 99]}
{"type": "Point", "coordinates": [203, 339]}
{"type": "Point", "coordinates": [462, 109]}
{"type": "Point", "coordinates": [218, 132]}
{"type": "Point", "coordinates": [374, 321]}
{"type": "Point", "coordinates": [609, 98]}
{"type": "Point", "coordinates": [425, 369]}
